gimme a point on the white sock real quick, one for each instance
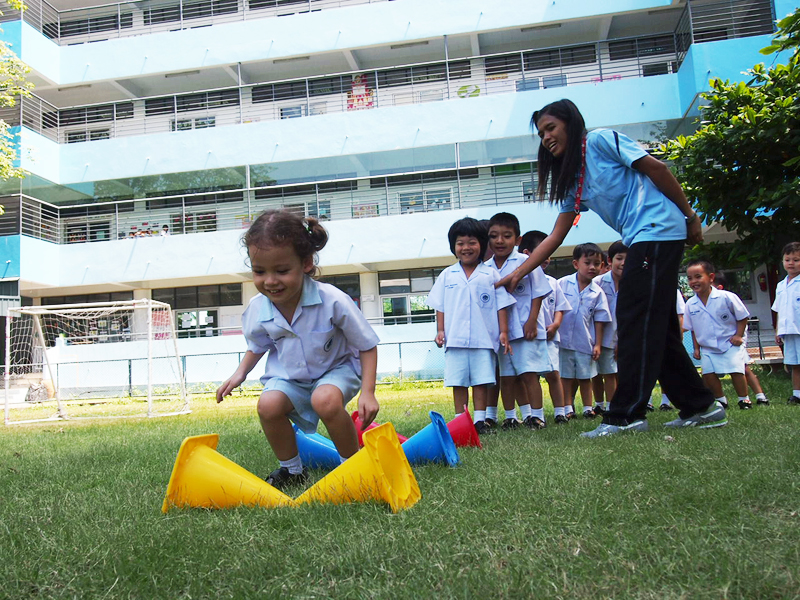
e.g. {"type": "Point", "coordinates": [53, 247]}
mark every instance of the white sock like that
{"type": "Point", "coordinates": [568, 409]}
{"type": "Point", "coordinates": [559, 410]}
{"type": "Point", "coordinates": [341, 459]}
{"type": "Point", "coordinates": [295, 465]}
{"type": "Point", "coordinates": [761, 396]}
{"type": "Point", "coordinates": [664, 399]}
{"type": "Point", "coordinates": [478, 415]}
{"type": "Point", "coordinates": [538, 413]}
{"type": "Point", "coordinates": [491, 413]}
{"type": "Point", "coordinates": [525, 411]}
{"type": "Point", "coordinates": [744, 399]}
{"type": "Point", "coordinates": [512, 414]}
{"type": "Point", "coordinates": [796, 393]}
{"type": "Point", "coordinates": [587, 409]}
{"type": "Point", "coordinates": [600, 405]}
{"type": "Point", "coordinates": [722, 400]}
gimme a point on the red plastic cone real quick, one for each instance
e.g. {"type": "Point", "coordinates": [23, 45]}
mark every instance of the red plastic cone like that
{"type": "Point", "coordinates": [372, 425]}
{"type": "Point", "coordinates": [463, 430]}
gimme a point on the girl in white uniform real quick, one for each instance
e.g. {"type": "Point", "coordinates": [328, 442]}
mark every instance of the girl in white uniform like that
{"type": "Point", "coordinates": [320, 345]}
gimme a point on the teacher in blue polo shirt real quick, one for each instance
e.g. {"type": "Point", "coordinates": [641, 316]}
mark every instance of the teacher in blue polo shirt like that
{"type": "Point", "coordinates": [638, 196]}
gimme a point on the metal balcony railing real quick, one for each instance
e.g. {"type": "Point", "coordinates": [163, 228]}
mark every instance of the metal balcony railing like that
{"type": "Point", "coordinates": [465, 78]}
{"type": "Point", "coordinates": [126, 19]}
{"type": "Point", "coordinates": [234, 209]}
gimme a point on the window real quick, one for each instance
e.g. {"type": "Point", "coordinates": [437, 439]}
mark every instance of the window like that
{"type": "Point", "coordinates": [166, 14]}
{"type": "Point", "coordinates": [107, 297]}
{"type": "Point", "coordinates": [655, 69]}
{"type": "Point", "coordinates": [641, 47]}
{"type": "Point", "coordinates": [497, 65]}
{"type": "Point", "coordinates": [424, 201]}
{"type": "Point", "coordinates": [194, 222]}
{"type": "Point", "coordinates": [91, 231]}
{"type": "Point", "coordinates": [404, 296]}
{"type": "Point", "coordinates": [551, 81]}
{"type": "Point", "coordinates": [187, 124]}
{"type": "Point", "coordinates": [292, 112]}
{"type": "Point", "coordinates": [204, 296]}
{"type": "Point", "coordinates": [560, 57]}
{"type": "Point", "coordinates": [197, 323]}
{"type": "Point", "coordinates": [349, 284]}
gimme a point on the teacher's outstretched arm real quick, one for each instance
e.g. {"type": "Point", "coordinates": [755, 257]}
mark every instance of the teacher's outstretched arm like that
{"type": "Point", "coordinates": [541, 253]}
{"type": "Point", "coordinates": [665, 181]}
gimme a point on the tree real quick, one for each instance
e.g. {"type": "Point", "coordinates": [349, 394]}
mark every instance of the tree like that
{"type": "Point", "coordinates": [741, 167]}
{"type": "Point", "coordinates": [12, 85]}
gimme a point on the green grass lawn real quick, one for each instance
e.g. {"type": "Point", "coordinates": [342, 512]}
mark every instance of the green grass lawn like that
{"type": "Point", "coordinates": [686, 514]}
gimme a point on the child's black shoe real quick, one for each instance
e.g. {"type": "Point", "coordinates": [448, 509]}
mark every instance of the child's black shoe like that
{"type": "Point", "coordinates": [536, 423]}
{"type": "Point", "coordinates": [794, 400]}
{"type": "Point", "coordinates": [280, 478]}
{"type": "Point", "coordinates": [510, 424]}
{"type": "Point", "coordinates": [745, 404]}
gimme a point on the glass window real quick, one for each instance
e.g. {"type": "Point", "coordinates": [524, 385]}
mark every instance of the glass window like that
{"type": "Point", "coordinates": [185, 297]}
{"type": "Point", "coordinates": [422, 280]}
{"type": "Point", "coordinates": [394, 282]}
{"type": "Point", "coordinates": [166, 295]}
{"type": "Point", "coordinates": [420, 311]}
{"type": "Point", "coordinates": [395, 310]}
{"type": "Point", "coordinates": [207, 295]}
{"type": "Point", "coordinates": [230, 294]}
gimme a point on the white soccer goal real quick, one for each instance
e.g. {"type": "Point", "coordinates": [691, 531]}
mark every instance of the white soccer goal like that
{"type": "Point", "coordinates": [94, 360]}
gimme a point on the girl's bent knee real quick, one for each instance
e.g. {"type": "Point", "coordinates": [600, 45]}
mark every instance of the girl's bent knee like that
{"type": "Point", "coordinates": [273, 405]}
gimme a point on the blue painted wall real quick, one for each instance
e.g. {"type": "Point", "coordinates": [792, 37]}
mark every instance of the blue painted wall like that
{"type": "Point", "coordinates": [9, 256]}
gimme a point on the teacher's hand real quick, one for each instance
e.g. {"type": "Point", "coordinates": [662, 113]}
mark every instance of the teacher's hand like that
{"type": "Point", "coordinates": [694, 231]}
{"type": "Point", "coordinates": [510, 281]}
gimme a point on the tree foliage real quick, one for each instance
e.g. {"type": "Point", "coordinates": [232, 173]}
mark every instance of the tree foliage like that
{"type": "Point", "coordinates": [741, 167]}
{"type": "Point", "coordinates": [12, 85]}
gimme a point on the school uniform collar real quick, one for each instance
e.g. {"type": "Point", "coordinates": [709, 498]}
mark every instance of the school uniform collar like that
{"type": "Point", "coordinates": [309, 297]}
{"type": "Point", "coordinates": [713, 295]}
{"type": "Point", "coordinates": [574, 281]}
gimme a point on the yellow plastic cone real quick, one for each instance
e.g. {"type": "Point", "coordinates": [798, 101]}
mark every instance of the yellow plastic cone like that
{"type": "Point", "coordinates": [379, 471]}
{"type": "Point", "coordinates": [203, 478]}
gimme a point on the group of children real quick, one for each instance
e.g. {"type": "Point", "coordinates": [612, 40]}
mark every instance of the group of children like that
{"type": "Point", "coordinates": [323, 352]}
{"type": "Point", "coordinates": [566, 330]}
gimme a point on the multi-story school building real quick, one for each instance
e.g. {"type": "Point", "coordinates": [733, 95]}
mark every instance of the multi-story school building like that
{"type": "Point", "coordinates": [387, 119]}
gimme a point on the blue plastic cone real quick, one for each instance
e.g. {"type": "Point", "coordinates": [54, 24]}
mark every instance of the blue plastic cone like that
{"type": "Point", "coordinates": [432, 444]}
{"type": "Point", "coordinates": [316, 451]}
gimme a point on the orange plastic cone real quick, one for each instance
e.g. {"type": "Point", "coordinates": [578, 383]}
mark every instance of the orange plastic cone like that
{"type": "Point", "coordinates": [373, 425]}
{"type": "Point", "coordinates": [379, 471]}
{"type": "Point", "coordinates": [203, 478]}
{"type": "Point", "coordinates": [463, 430]}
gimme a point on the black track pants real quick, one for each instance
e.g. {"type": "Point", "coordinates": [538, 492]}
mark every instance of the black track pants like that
{"type": "Point", "coordinates": [650, 345]}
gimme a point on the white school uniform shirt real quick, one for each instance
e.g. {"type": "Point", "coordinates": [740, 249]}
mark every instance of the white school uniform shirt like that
{"type": "Point", "coordinates": [715, 322]}
{"type": "Point", "coordinates": [470, 306]}
{"type": "Point", "coordinates": [680, 304]}
{"type": "Point", "coordinates": [552, 304]}
{"type": "Point", "coordinates": [327, 330]}
{"type": "Point", "coordinates": [588, 306]}
{"type": "Point", "coordinates": [533, 285]}
{"type": "Point", "coordinates": [787, 305]}
{"type": "Point", "coordinates": [606, 283]}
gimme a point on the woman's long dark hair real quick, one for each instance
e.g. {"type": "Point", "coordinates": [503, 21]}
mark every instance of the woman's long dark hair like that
{"type": "Point", "coordinates": [562, 171]}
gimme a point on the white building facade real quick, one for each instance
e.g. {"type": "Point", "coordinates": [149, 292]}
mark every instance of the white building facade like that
{"type": "Point", "coordinates": [388, 120]}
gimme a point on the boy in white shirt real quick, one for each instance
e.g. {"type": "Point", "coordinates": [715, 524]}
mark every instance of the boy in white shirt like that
{"type": "Point", "coordinates": [787, 305]}
{"type": "Point", "coordinates": [717, 320]}
{"type": "Point", "coordinates": [471, 319]}
{"type": "Point", "coordinates": [605, 383]}
{"type": "Point", "coordinates": [520, 368]}
{"type": "Point", "coordinates": [582, 328]}
{"type": "Point", "coordinates": [548, 322]}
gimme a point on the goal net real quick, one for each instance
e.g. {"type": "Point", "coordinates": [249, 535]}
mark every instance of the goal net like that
{"type": "Point", "coordinates": [103, 359]}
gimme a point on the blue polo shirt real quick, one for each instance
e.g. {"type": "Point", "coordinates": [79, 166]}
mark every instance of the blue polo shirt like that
{"type": "Point", "coordinates": [625, 199]}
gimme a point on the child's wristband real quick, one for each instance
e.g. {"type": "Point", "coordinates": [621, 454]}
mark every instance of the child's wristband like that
{"type": "Point", "coordinates": [691, 219]}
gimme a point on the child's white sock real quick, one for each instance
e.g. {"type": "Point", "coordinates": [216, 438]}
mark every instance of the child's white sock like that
{"type": "Point", "coordinates": [568, 409]}
{"type": "Point", "coordinates": [664, 399]}
{"type": "Point", "coordinates": [587, 409]}
{"type": "Point", "coordinates": [796, 393]}
{"type": "Point", "coordinates": [744, 399]}
{"type": "Point", "coordinates": [559, 410]}
{"type": "Point", "coordinates": [722, 400]}
{"type": "Point", "coordinates": [761, 396]}
{"type": "Point", "coordinates": [491, 413]}
{"type": "Point", "coordinates": [538, 413]}
{"type": "Point", "coordinates": [295, 465]}
{"type": "Point", "coordinates": [478, 415]}
{"type": "Point", "coordinates": [600, 405]}
{"type": "Point", "coordinates": [512, 414]}
{"type": "Point", "coordinates": [525, 411]}
{"type": "Point", "coordinates": [341, 459]}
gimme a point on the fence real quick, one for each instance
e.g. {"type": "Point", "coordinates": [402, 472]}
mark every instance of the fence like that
{"type": "Point", "coordinates": [234, 209]}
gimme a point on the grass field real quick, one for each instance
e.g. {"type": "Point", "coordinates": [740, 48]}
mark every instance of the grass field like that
{"type": "Point", "coordinates": [687, 514]}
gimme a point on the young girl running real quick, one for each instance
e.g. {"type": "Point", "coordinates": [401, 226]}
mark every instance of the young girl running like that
{"type": "Point", "coordinates": [320, 345]}
{"type": "Point", "coordinates": [638, 196]}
